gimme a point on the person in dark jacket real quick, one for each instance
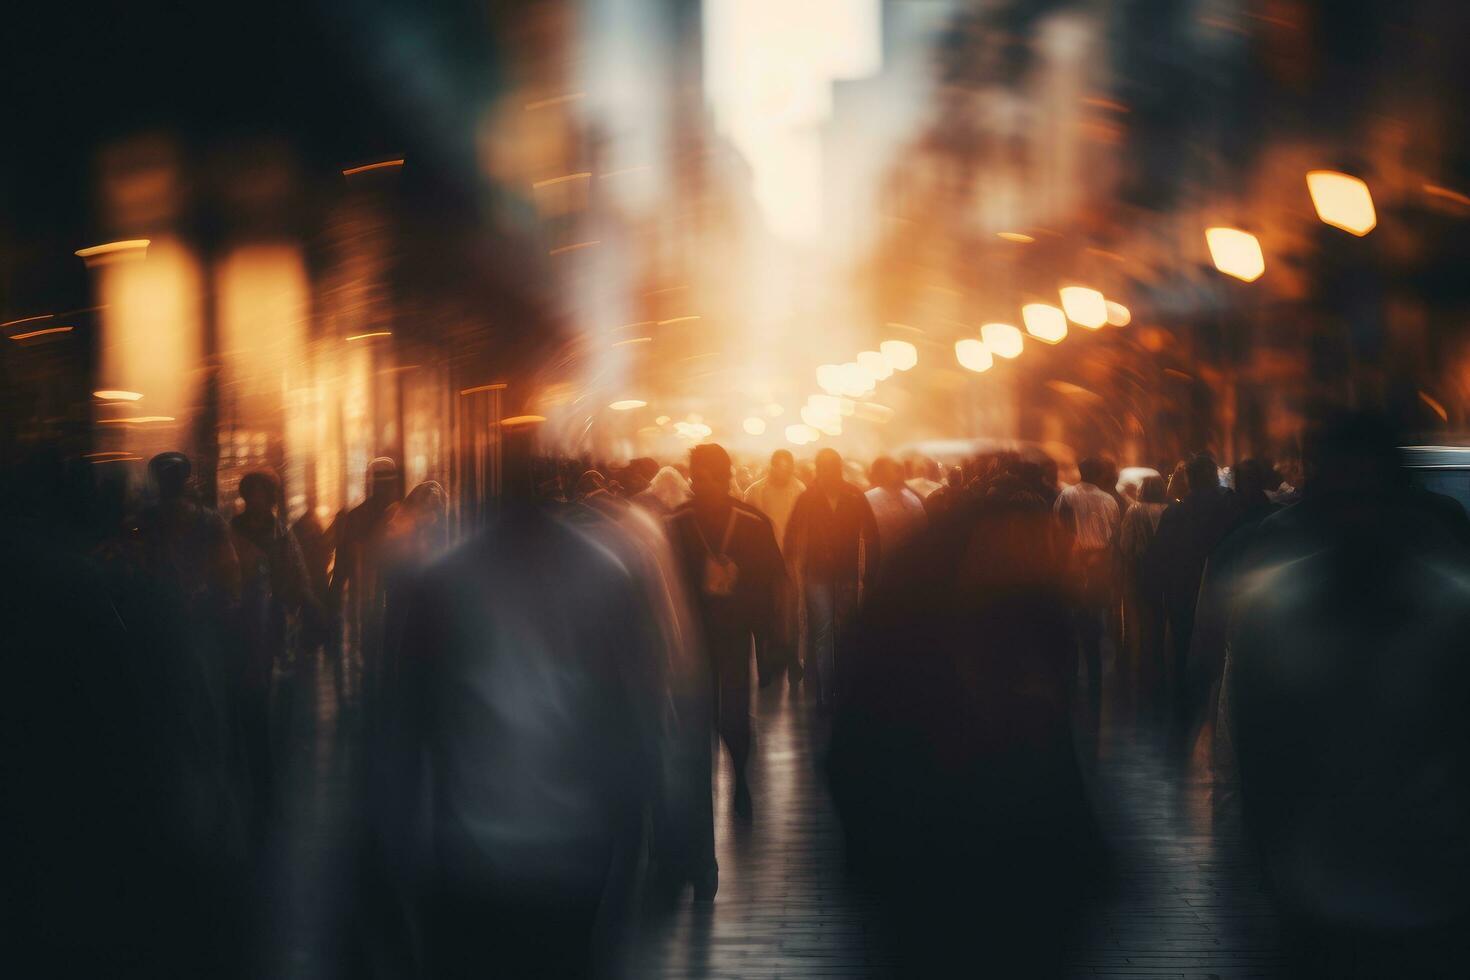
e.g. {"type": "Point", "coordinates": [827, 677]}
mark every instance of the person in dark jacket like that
{"type": "Point", "coordinates": [274, 587]}
{"type": "Point", "coordinates": [733, 572]}
{"type": "Point", "coordinates": [1188, 532]}
{"type": "Point", "coordinates": [832, 545]}
{"type": "Point", "coordinates": [1348, 694]}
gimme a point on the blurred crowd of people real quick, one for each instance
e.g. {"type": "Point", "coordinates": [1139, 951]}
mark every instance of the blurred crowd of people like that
{"type": "Point", "coordinates": [536, 703]}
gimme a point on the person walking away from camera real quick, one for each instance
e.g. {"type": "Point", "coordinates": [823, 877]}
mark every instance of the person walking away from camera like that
{"type": "Point", "coordinates": [1089, 517]}
{"type": "Point", "coordinates": [274, 587]}
{"type": "Point", "coordinates": [1143, 611]}
{"type": "Point", "coordinates": [832, 545]}
{"type": "Point", "coordinates": [775, 495]}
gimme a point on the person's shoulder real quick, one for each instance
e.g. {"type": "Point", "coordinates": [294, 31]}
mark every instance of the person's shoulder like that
{"type": "Point", "coordinates": [743, 509]}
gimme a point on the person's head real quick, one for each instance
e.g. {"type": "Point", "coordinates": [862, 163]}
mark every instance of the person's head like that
{"type": "Point", "coordinates": [170, 472]}
{"type": "Point", "coordinates": [427, 504]}
{"type": "Point", "coordinates": [259, 490]}
{"type": "Point", "coordinates": [1049, 472]}
{"type": "Point", "coordinates": [1107, 473]}
{"type": "Point", "coordinates": [1202, 472]}
{"type": "Point", "coordinates": [1152, 490]}
{"type": "Point", "coordinates": [956, 477]}
{"type": "Point", "coordinates": [828, 469]}
{"type": "Point", "coordinates": [382, 479]}
{"type": "Point", "coordinates": [783, 465]}
{"type": "Point", "coordinates": [886, 473]}
{"type": "Point", "coordinates": [1090, 470]}
{"type": "Point", "coordinates": [709, 472]}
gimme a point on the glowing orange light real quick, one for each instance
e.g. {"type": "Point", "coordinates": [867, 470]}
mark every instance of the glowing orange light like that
{"type": "Point", "coordinates": [627, 404]}
{"type": "Point", "coordinates": [1002, 339]}
{"type": "Point", "coordinates": [1236, 253]}
{"type": "Point", "coordinates": [1046, 323]}
{"type": "Point", "coordinates": [519, 420]}
{"type": "Point", "coordinates": [1015, 236]}
{"type": "Point", "coordinates": [110, 394]}
{"type": "Point", "coordinates": [661, 420]}
{"type": "Point", "coordinates": [479, 388]}
{"type": "Point", "coordinates": [900, 353]}
{"type": "Point", "coordinates": [574, 247]}
{"type": "Point", "coordinates": [375, 333]}
{"type": "Point", "coordinates": [554, 100]}
{"type": "Point", "coordinates": [380, 165]}
{"type": "Point", "coordinates": [973, 355]}
{"type": "Point", "coordinates": [755, 426]}
{"type": "Point", "coordinates": [114, 250]}
{"type": "Point", "coordinates": [565, 178]}
{"type": "Point", "coordinates": [39, 333]}
{"type": "Point", "coordinates": [677, 319]}
{"type": "Point", "coordinates": [27, 319]}
{"type": "Point", "coordinates": [1448, 194]}
{"type": "Point", "coordinates": [1118, 314]}
{"type": "Point", "coordinates": [1084, 307]}
{"type": "Point", "coordinates": [1342, 201]}
{"type": "Point", "coordinates": [633, 340]}
{"type": "Point", "coordinates": [138, 419]}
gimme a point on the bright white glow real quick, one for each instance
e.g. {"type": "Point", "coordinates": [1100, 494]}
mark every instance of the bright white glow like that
{"type": "Point", "coordinates": [800, 435]}
{"type": "Point", "coordinates": [693, 430]}
{"type": "Point", "coordinates": [755, 426]}
{"type": "Point", "coordinates": [661, 420]}
{"type": "Point", "coordinates": [1118, 314]}
{"type": "Point", "coordinates": [822, 416]}
{"type": "Point", "coordinates": [829, 378]}
{"type": "Point", "coordinates": [855, 381]}
{"type": "Point", "coordinates": [973, 355]}
{"type": "Point", "coordinates": [768, 70]}
{"type": "Point", "coordinates": [115, 395]}
{"type": "Point", "coordinates": [875, 364]}
{"type": "Point", "coordinates": [1236, 253]}
{"type": "Point", "coordinates": [1002, 339]}
{"type": "Point", "coordinates": [873, 412]}
{"type": "Point", "coordinates": [1342, 201]}
{"type": "Point", "coordinates": [1084, 307]}
{"type": "Point", "coordinates": [1046, 323]}
{"type": "Point", "coordinates": [627, 404]}
{"type": "Point", "coordinates": [900, 353]}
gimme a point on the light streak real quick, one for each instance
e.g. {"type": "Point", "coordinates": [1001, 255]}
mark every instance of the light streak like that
{"type": "Point", "coordinates": [39, 333]}
{"type": "Point", "coordinates": [380, 165]}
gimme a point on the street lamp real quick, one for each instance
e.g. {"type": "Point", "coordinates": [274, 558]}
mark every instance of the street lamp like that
{"type": "Point", "coordinates": [1002, 339]}
{"type": "Point", "coordinates": [973, 355]}
{"type": "Point", "coordinates": [1085, 307]}
{"type": "Point", "coordinates": [1342, 201]}
{"type": "Point", "coordinates": [900, 353]}
{"type": "Point", "coordinates": [1046, 323]}
{"type": "Point", "coordinates": [1236, 253]}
